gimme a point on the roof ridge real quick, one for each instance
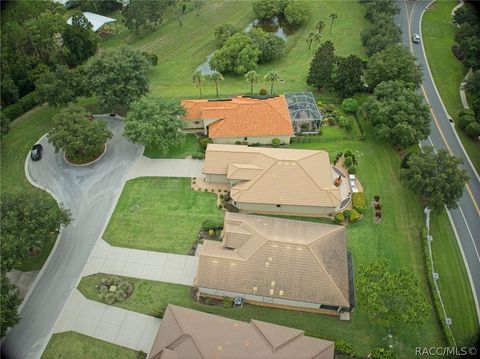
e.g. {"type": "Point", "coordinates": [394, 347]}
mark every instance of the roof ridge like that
{"type": "Point", "coordinates": [272, 347]}
{"type": "Point", "coordinates": [328, 274]}
{"type": "Point", "coordinates": [275, 348]}
{"type": "Point", "coordinates": [276, 110]}
{"type": "Point", "coordinates": [183, 331]}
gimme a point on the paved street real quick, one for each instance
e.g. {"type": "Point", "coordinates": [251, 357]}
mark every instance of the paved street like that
{"type": "Point", "coordinates": [90, 193]}
{"type": "Point", "coordinates": [466, 218]}
{"type": "Point", "coordinates": [106, 322]}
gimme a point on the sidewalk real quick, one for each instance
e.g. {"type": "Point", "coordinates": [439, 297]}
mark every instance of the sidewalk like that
{"type": "Point", "coordinates": [147, 167]}
{"type": "Point", "coordinates": [115, 325]}
{"type": "Point", "coordinates": [164, 267]}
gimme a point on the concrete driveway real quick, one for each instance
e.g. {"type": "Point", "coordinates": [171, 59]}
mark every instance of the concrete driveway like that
{"type": "Point", "coordinates": [90, 193]}
{"type": "Point", "coordinates": [147, 167]}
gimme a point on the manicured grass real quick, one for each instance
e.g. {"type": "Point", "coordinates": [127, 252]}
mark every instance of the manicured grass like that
{"type": "Point", "coordinates": [438, 37]}
{"type": "Point", "coordinates": [72, 345]}
{"type": "Point", "coordinates": [189, 148]}
{"type": "Point", "coordinates": [160, 214]}
{"type": "Point", "coordinates": [181, 49]}
{"type": "Point", "coordinates": [24, 132]}
{"type": "Point", "coordinates": [449, 264]}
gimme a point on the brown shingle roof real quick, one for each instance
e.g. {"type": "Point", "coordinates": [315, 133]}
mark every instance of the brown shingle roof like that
{"type": "Point", "coordinates": [293, 177]}
{"type": "Point", "coordinates": [306, 261]}
{"type": "Point", "coordinates": [243, 117]}
{"type": "Point", "coordinates": [207, 336]}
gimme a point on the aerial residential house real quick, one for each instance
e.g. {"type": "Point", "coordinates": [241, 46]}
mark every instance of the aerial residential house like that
{"type": "Point", "coordinates": [283, 181]}
{"type": "Point", "coordinates": [240, 119]}
{"type": "Point", "coordinates": [190, 334]}
{"type": "Point", "coordinates": [279, 263]}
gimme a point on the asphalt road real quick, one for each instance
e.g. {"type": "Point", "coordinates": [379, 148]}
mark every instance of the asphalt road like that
{"type": "Point", "coordinates": [90, 193]}
{"type": "Point", "coordinates": [466, 218]}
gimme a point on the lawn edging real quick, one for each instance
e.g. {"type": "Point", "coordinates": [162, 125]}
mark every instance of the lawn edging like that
{"type": "Point", "coordinates": [57, 240]}
{"type": "Point", "coordinates": [440, 98]}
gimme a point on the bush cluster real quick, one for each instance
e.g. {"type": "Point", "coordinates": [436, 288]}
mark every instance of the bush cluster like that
{"type": "Point", "coordinates": [212, 224]}
{"type": "Point", "coordinates": [467, 122]}
{"type": "Point", "coordinates": [344, 347]}
{"type": "Point", "coordinates": [359, 202]}
{"type": "Point", "coordinates": [339, 217]}
{"type": "Point", "coordinates": [122, 289]}
{"type": "Point", "coordinates": [25, 104]}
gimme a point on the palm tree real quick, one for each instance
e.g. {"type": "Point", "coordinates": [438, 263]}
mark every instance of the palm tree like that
{"type": "Point", "coordinates": [310, 37]}
{"type": "Point", "coordinates": [198, 80]}
{"type": "Point", "coordinates": [272, 77]}
{"type": "Point", "coordinates": [317, 37]}
{"type": "Point", "coordinates": [216, 77]}
{"type": "Point", "coordinates": [332, 16]}
{"type": "Point", "coordinates": [251, 77]}
{"type": "Point", "coordinates": [320, 26]}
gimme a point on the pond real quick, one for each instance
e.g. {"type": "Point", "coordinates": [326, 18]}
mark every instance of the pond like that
{"type": "Point", "coordinates": [278, 25]}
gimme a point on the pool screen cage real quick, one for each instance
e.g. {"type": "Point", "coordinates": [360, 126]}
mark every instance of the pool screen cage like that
{"type": "Point", "coordinates": [306, 118]}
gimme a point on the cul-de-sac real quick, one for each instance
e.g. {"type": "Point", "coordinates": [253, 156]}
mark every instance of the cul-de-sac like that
{"type": "Point", "coordinates": [240, 179]}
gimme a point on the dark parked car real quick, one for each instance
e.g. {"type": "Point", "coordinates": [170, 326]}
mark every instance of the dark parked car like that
{"type": "Point", "coordinates": [36, 153]}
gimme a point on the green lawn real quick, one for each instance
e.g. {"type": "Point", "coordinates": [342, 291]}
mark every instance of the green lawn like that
{"type": "Point", "coordinates": [25, 132]}
{"type": "Point", "coordinates": [438, 32]}
{"type": "Point", "coordinates": [181, 49]}
{"type": "Point", "coordinates": [189, 148]}
{"type": "Point", "coordinates": [457, 295]}
{"type": "Point", "coordinates": [72, 345]}
{"type": "Point", "coordinates": [160, 214]}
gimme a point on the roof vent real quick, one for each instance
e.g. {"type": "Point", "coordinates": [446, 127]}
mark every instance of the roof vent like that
{"type": "Point", "coordinates": [280, 292]}
{"type": "Point", "coordinates": [246, 343]}
{"type": "Point", "coordinates": [254, 289]}
{"type": "Point", "coordinates": [272, 284]}
{"type": "Point", "coordinates": [271, 291]}
{"type": "Point", "coordinates": [219, 348]}
{"type": "Point", "coordinates": [267, 264]}
{"type": "Point", "coordinates": [270, 259]}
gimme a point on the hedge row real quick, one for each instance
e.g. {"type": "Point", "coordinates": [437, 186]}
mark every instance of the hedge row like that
{"type": "Point", "coordinates": [437, 305]}
{"type": "Point", "coordinates": [25, 104]}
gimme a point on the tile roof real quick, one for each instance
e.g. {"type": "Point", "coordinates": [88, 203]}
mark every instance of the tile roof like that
{"type": "Point", "coordinates": [287, 176]}
{"type": "Point", "coordinates": [302, 261]}
{"type": "Point", "coordinates": [189, 334]}
{"type": "Point", "coordinates": [242, 116]}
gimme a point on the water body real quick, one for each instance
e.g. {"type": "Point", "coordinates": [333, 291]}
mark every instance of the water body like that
{"type": "Point", "coordinates": [277, 25]}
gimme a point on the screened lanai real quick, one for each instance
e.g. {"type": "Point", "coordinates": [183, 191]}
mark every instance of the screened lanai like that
{"type": "Point", "coordinates": [306, 118]}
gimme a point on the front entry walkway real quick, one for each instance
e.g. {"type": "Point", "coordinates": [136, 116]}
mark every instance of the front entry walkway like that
{"type": "Point", "coordinates": [147, 167]}
{"type": "Point", "coordinates": [106, 322]}
{"type": "Point", "coordinates": [164, 267]}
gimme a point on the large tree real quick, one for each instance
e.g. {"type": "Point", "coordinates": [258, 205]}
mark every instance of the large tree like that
{"type": "Point", "coordinates": [380, 34]}
{"type": "Point", "coordinates": [223, 32]}
{"type": "Point", "coordinates": [118, 77]}
{"type": "Point", "coordinates": [270, 45]}
{"type": "Point", "coordinates": [266, 9]}
{"type": "Point", "coordinates": [322, 66]}
{"type": "Point", "coordinates": [391, 299]}
{"type": "Point", "coordinates": [468, 35]}
{"type": "Point", "coordinates": [79, 39]}
{"type": "Point", "coordinates": [296, 12]}
{"type": "Point", "coordinates": [436, 177]}
{"type": "Point", "coordinates": [9, 302]}
{"type": "Point", "coordinates": [28, 221]}
{"type": "Point", "coordinates": [398, 114]}
{"type": "Point", "coordinates": [60, 87]}
{"type": "Point", "coordinates": [393, 63]}
{"type": "Point", "coordinates": [375, 9]}
{"type": "Point", "coordinates": [348, 78]}
{"type": "Point", "coordinates": [143, 13]}
{"type": "Point", "coordinates": [239, 54]}
{"type": "Point", "coordinates": [81, 137]}
{"type": "Point", "coordinates": [155, 122]}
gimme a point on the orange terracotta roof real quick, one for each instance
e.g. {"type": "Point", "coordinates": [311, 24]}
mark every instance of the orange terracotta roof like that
{"type": "Point", "coordinates": [243, 117]}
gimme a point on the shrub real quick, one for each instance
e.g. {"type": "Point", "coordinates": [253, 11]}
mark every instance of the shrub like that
{"type": "Point", "coordinates": [208, 301]}
{"type": "Point", "coordinates": [348, 162]}
{"type": "Point", "coordinates": [209, 224]}
{"type": "Point", "coordinates": [359, 201]}
{"type": "Point", "coordinates": [329, 108]}
{"type": "Point", "coordinates": [227, 302]}
{"type": "Point", "coordinates": [4, 124]}
{"type": "Point", "coordinates": [347, 153]}
{"type": "Point", "coordinates": [346, 214]}
{"type": "Point", "coordinates": [457, 52]}
{"type": "Point", "coordinates": [203, 142]}
{"type": "Point", "coordinates": [376, 198]}
{"type": "Point", "coordinates": [221, 195]}
{"type": "Point", "coordinates": [344, 347]}
{"type": "Point", "coordinates": [339, 217]}
{"type": "Point", "coordinates": [127, 287]}
{"type": "Point", "coordinates": [352, 170]}
{"type": "Point", "coordinates": [109, 298]}
{"type": "Point", "coordinates": [13, 111]}
{"type": "Point", "coordinates": [466, 111]}
{"type": "Point", "coordinates": [263, 92]}
{"type": "Point", "coordinates": [339, 154]}
{"type": "Point", "coordinates": [350, 105]}
{"type": "Point", "coordinates": [382, 353]}
{"type": "Point", "coordinates": [354, 216]}
{"type": "Point", "coordinates": [465, 120]}
{"type": "Point", "coordinates": [276, 142]}
{"type": "Point", "coordinates": [198, 156]}
{"type": "Point", "coordinates": [473, 129]}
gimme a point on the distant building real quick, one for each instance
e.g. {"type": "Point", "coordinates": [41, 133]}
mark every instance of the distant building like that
{"type": "Point", "coordinates": [190, 334]}
{"type": "Point", "coordinates": [95, 20]}
{"type": "Point", "coordinates": [280, 263]}
{"type": "Point", "coordinates": [273, 180]}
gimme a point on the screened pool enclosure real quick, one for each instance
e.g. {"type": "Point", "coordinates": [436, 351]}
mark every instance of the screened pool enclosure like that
{"type": "Point", "coordinates": [306, 118]}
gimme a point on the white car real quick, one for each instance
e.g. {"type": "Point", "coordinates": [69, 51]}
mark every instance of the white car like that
{"type": "Point", "coordinates": [416, 38]}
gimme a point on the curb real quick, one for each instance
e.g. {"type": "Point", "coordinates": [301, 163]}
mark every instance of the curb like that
{"type": "Point", "coordinates": [440, 98]}
{"type": "Point", "coordinates": [57, 241]}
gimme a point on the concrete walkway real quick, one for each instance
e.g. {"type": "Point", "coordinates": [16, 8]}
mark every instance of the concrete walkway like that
{"type": "Point", "coordinates": [23, 280]}
{"type": "Point", "coordinates": [463, 96]}
{"type": "Point", "coordinates": [164, 267]}
{"type": "Point", "coordinates": [147, 167]}
{"type": "Point", "coordinates": [115, 325]}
